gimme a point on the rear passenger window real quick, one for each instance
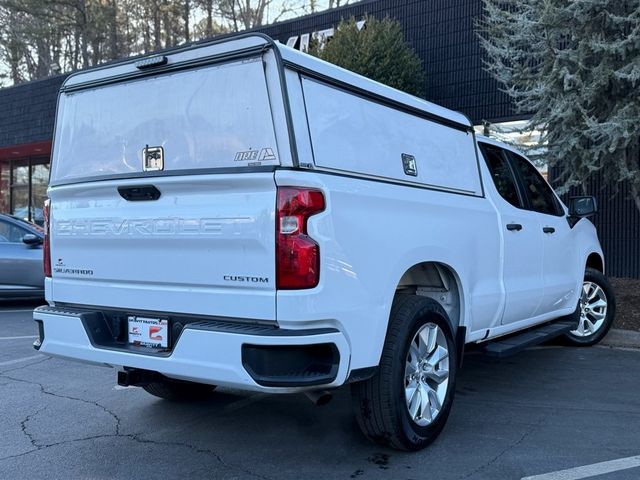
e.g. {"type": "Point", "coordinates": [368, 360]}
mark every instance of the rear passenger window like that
{"type": "Point", "coordinates": [541, 196]}
{"type": "Point", "coordinates": [501, 174]}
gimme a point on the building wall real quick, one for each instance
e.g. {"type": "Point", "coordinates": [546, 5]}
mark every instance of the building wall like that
{"type": "Point", "coordinates": [28, 111]}
{"type": "Point", "coordinates": [618, 224]}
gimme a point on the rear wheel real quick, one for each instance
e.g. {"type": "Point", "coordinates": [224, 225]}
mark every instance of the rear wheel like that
{"type": "Point", "coordinates": [406, 404]}
{"type": "Point", "coordinates": [595, 312]}
{"type": "Point", "coordinates": [179, 391]}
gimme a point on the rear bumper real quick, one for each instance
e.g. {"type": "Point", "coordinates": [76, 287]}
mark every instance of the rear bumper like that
{"type": "Point", "coordinates": [248, 357]}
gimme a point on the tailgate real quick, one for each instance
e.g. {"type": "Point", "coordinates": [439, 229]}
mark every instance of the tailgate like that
{"type": "Point", "coordinates": [206, 246]}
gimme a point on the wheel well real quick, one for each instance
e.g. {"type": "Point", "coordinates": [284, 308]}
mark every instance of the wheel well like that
{"type": "Point", "coordinates": [437, 281]}
{"type": "Point", "coordinates": [595, 261]}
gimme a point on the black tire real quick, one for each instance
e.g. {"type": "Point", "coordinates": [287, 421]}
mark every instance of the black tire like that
{"type": "Point", "coordinates": [179, 391]}
{"type": "Point", "coordinates": [596, 277]}
{"type": "Point", "coordinates": [379, 403]}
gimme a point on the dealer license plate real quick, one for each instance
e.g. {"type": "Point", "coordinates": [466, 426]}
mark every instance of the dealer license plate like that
{"type": "Point", "coordinates": [149, 332]}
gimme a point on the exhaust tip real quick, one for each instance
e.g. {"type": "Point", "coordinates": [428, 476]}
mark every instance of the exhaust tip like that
{"type": "Point", "coordinates": [319, 397]}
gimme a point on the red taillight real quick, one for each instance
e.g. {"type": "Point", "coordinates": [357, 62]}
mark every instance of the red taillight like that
{"type": "Point", "coordinates": [297, 254]}
{"type": "Point", "coordinates": [46, 249]}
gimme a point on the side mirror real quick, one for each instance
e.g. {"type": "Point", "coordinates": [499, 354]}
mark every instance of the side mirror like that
{"type": "Point", "coordinates": [580, 207]}
{"type": "Point", "coordinates": [31, 239]}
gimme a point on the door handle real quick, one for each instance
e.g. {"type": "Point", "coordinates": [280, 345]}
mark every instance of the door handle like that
{"type": "Point", "coordinates": [548, 230]}
{"type": "Point", "coordinates": [514, 227]}
{"type": "Point", "coordinates": [139, 193]}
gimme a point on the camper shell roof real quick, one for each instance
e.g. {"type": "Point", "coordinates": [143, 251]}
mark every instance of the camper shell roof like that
{"type": "Point", "coordinates": [251, 44]}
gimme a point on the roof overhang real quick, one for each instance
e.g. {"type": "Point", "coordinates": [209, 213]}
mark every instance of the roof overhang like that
{"type": "Point", "coordinates": [42, 148]}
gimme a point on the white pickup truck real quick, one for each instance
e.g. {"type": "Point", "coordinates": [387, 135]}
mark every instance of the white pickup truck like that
{"type": "Point", "coordinates": [241, 214]}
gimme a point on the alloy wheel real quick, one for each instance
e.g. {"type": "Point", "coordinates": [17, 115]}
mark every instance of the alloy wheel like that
{"type": "Point", "coordinates": [426, 374]}
{"type": "Point", "coordinates": [593, 310]}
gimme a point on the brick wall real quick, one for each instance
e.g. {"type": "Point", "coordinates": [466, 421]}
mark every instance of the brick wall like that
{"type": "Point", "coordinates": [27, 111]}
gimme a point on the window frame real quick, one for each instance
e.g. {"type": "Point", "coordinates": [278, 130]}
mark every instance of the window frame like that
{"type": "Point", "coordinates": [32, 162]}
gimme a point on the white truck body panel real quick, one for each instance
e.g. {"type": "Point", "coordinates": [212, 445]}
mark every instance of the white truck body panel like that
{"type": "Point", "coordinates": [359, 212]}
{"type": "Point", "coordinates": [176, 250]}
{"type": "Point", "coordinates": [310, 65]}
{"type": "Point", "coordinates": [352, 134]}
{"type": "Point", "coordinates": [207, 246]}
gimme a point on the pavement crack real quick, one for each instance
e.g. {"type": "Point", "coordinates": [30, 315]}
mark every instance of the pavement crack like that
{"type": "Point", "coordinates": [38, 447]}
{"type": "Point", "coordinates": [45, 359]}
{"type": "Point", "coordinates": [44, 391]}
{"type": "Point", "coordinates": [18, 455]}
{"type": "Point", "coordinates": [207, 451]}
{"type": "Point", "coordinates": [510, 447]}
{"type": "Point", "coordinates": [136, 437]}
{"type": "Point", "coordinates": [23, 428]}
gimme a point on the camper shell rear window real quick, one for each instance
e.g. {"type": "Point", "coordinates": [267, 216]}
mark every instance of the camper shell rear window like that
{"type": "Point", "coordinates": [218, 116]}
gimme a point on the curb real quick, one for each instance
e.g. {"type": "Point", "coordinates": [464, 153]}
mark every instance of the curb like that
{"type": "Point", "coordinates": [622, 338]}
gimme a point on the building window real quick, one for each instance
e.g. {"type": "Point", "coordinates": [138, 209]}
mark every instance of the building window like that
{"type": "Point", "coordinates": [23, 187]}
{"type": "Point", "coordinates": [39, 183]}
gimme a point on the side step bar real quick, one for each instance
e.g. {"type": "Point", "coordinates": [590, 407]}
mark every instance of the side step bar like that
{"type": "Point", "coordinates": [507, 346]}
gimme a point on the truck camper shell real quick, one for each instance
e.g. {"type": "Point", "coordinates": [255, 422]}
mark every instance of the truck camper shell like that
{"type": "Point", "coordinates": [322, 116]}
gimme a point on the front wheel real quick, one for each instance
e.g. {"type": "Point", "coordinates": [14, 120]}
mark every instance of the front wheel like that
{"type": "Point", "coordinates": [406, 404]}
{"type": "Point", "coordinates": [595, 312]}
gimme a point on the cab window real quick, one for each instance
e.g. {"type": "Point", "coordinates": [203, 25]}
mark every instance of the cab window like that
{"type": "Point", "coordinates": [540, 195]}
{"type": "Point", "coordinates": [501, 174]}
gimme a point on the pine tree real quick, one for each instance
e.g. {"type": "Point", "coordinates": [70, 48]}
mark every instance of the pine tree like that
{"type": "Point", "coordinates": [378, 51]}
{"type": "Point", "coordinates": [574, 65]}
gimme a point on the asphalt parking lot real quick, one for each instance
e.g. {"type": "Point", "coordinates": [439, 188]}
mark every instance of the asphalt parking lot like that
{"type": "Point", "coordinates": [543, 411]}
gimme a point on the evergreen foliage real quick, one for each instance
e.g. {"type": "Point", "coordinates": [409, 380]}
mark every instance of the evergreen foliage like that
{"type": "Point", "coordinates": [378, 51]}
{"type": "Point", "coordinates": [574, 64]}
